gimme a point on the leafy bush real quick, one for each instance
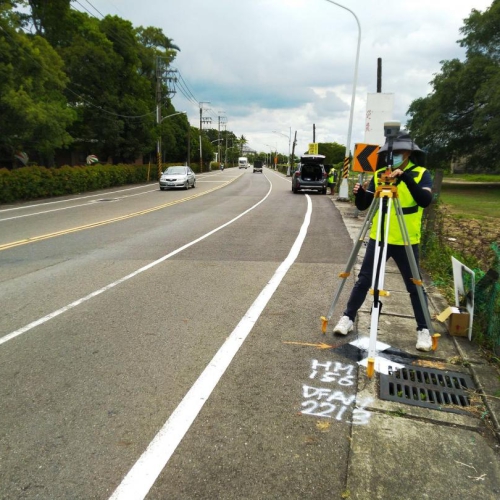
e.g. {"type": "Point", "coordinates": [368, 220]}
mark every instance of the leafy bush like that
{"type": "Point", "coordinates": [33, 182]}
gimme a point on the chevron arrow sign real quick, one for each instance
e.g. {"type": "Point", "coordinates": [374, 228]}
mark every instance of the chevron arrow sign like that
{"type": "Point", "coordinates": [365, 158]}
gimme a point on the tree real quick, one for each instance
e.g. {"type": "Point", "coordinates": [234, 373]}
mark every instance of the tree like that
{"type": "Point", "coordinates": [460, 117]}
{"type": "Point", "coordinates": [334, 153]}
{"type": "Point", "coordinates": [48, 19]}
{"type": "Point", "coordinates": [111, 68]}
{"type": "Point", "coordinates": [242, 141]}
{"type": "Point", "coordinates": [34, 111]}
{"type": "Point", "coordinates": [66, 76]}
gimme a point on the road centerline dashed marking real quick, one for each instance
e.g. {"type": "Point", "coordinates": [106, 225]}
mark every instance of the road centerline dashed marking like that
{"type": "Point", "coordinates": [42, 237]}
{"type": "Point", "coordinates": [91, 295]}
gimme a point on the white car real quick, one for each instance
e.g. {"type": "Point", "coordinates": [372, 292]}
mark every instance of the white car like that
{"type": "Point", "coordinates": [177, 177]}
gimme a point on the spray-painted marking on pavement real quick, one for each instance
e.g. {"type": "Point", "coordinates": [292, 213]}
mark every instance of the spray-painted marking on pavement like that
{"type": "Point", "coordinates": [332, 402]}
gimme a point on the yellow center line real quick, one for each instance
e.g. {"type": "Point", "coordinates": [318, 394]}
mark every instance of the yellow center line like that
{"type": "Point", "coordinates": [42, 237]}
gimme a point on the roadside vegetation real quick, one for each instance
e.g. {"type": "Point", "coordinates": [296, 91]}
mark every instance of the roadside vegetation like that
{"type": "Point", "coordinates": [72, 85]}
{"type": "Point", "coordinates": [466, 226]}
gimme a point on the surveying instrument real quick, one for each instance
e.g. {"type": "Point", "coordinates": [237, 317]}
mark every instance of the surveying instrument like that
{"type": "Point", "coordinates": [385, 195]}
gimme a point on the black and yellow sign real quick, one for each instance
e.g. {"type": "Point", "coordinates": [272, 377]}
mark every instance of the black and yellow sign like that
{"type": "Point", "coordinates": [313, 148]}
{"type": "Point", "coordinates": [365, 158]}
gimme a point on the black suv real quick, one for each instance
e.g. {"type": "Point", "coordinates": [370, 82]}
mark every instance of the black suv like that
{"type": "Point", "coordinates": [310, 174]}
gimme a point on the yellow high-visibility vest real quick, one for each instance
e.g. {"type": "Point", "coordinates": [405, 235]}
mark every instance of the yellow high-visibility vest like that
{"type": "Point", "coordinates": [412, 212]}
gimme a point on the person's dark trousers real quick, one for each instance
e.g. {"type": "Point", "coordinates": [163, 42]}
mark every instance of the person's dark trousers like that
{"type": "Point", "coordinates": [364, 282]}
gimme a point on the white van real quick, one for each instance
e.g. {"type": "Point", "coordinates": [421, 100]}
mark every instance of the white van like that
{"type": "Point", "coordinates": [242, 162]}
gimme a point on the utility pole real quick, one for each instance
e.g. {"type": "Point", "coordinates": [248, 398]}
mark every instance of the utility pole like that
{"type": "Point", "coordinates": [158, 115]}
{"type": "Point", "coordinates": [293, 151]}
{"type": "Point", "coordinates": [379, 75]}
{"type": "Point", "coordinates": [219, 157]}
{"type": "Point", "coordinates": [202, 120]}
{"type": "Point", "coordinates": [218, 142]}
{"type": "Point", "coordinates": [314, 133]}
{"type": "Point", "coordinates": [201, 152]}
{"type": "Point", "coordinates": [170, 82]}
{"type": "Point", "coordinates": [225, 149]}
{"type": "Point", "coordinates": [189, 146]}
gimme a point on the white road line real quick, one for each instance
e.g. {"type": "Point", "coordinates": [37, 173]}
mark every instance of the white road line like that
{"type": "Point", "coordinates": [89, 203]}
{"type": "Point", "coordinates": [100, 195]}
{"type": "Point", "coordinates": [280, 176]}
{"type": "Point", "coordinates": [92, 202]}
{"type": "Point", "coordinates": [76, 303]}
{"type": "Point", "coordinates": [146, 470]}
{"type": "Point", "coordinates": [218, 182]}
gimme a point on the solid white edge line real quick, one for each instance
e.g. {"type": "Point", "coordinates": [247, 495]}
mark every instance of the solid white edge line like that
{"type": "Point", "coordinates": [76, 303]}
{"type": "Point", "coordinates": [96, 195]}
{"type": "Point", "coordinates": [141, 477]}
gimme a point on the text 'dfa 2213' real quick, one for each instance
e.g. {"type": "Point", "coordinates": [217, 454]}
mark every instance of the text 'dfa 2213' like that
{"type": "Point", "coordinates": [328, 402]}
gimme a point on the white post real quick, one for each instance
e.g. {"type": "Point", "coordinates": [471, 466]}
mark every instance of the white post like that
{"type": "Point", "coordinates": [344, 188]}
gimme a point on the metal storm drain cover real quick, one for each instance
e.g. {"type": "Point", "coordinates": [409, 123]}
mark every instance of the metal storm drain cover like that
{"type": "Point", "coordinates": [427, 387]}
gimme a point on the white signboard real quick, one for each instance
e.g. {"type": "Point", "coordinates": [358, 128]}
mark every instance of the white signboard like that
{"type": "Point", "coordinates": [461, 290]}
{"type": "Point", "coordinates": [379, 109]}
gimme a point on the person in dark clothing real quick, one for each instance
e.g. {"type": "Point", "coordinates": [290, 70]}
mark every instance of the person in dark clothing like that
{"type": "Point", "coordinates": [415, 193]}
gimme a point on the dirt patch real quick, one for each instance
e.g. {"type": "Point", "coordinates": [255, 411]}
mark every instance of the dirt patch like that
{"type": "Point", "coordinates": [471, 236]}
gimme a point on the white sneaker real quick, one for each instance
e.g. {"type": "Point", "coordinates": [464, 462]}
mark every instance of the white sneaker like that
{"type": "Point", "coordinates": [424, 340]}
{"type": "Point", "coordinates": [344, 326]}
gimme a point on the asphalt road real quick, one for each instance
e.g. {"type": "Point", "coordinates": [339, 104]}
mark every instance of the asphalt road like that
{"type": "Point", "coordinates": [156, 344]}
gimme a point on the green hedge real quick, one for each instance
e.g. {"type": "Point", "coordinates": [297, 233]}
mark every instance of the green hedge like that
{"type": "Point", "coordinates": [29, 183]}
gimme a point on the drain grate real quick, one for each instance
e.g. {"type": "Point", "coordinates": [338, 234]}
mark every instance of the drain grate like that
{"type": "Point", "coordinates": [427, 387]}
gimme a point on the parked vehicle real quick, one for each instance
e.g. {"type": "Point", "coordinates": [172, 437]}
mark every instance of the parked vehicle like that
{"type": "Point", "coordinates": [257, 166]}
{"type": "Point", "coordinates": [177, 177]}
{"type": "Point", "coordinates": [242, 162]}
{"type": "Point", "coordinates": [310, 174]}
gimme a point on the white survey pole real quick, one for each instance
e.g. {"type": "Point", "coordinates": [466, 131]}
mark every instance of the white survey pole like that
{"type": "Point", "coordinates": [344, 188]}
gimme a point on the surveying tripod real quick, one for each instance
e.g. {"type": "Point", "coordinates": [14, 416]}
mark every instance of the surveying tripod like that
{"type": "Point", "coordinates": [385, 195]}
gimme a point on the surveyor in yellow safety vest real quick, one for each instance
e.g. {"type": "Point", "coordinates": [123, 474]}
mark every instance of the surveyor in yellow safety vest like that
{"type": "Point", "coordinates": [332, 177]}
{"type": "Point", "coordinates": [414, 185]}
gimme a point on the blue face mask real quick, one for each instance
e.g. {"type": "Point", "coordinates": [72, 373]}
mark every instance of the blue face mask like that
{"type": "Point", "coordinates": [397, 160]}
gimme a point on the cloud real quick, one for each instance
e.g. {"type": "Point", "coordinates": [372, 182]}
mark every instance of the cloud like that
{"type": "Point", "coordinates": [288, 64]}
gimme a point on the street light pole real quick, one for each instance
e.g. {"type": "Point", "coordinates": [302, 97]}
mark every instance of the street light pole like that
{"type": "Point", "coordinates": [158, 142]}
{"type": "Point", "coordinates": [275, 154]}
{"type": "Point", "coordinates": [289, 144]}
{"type": "Point", "coordinates": [218, 148]}
{"type": "Point", "coordinates": [344, 189]}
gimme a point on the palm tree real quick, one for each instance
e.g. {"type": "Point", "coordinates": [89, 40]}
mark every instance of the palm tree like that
{"type": "Point", "coordinates": [242, 142]}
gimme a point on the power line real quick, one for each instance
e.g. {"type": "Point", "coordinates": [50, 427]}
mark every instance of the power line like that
{"type": "Point", "coordinates": [182, 86]}
{"type": "Point", "coordinates": [187, 88]}
{"type": "Point", "coordinates": [92, 7]}
{"type": "Point", "coordinates": [56, 78]}
{"type": "Point", "coordinates": [84, 8]}
{"type": "Point", "coordinates": [113, 35]}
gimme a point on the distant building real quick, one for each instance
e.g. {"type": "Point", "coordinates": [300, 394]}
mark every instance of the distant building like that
{"type": "Point", "coordinates": [246, 150]}
{"type": "Point", "coordinates": [458, 165]}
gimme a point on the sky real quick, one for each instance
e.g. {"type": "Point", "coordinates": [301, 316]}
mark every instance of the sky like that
{"type": "Point", "coordinates": [273, 68]}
